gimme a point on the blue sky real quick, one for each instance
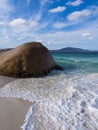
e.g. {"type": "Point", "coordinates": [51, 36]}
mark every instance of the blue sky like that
{"type": "Point", "coordinates": [55, 23]}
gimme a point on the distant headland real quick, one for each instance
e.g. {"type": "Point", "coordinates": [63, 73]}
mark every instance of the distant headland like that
{"type": "Point", "coordinates": [72, 49]}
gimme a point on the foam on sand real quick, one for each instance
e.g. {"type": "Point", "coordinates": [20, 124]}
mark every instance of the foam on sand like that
{"type": "Point", "coordinates": [63, 102]}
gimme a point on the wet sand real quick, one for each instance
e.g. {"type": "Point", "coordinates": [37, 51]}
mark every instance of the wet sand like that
{"type": "Point", "coordinates": [12, 113]}
{"type": "Point", "coordinates": [5, 80]}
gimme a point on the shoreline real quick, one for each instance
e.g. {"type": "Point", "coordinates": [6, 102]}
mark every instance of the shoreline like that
{"type": "Point", "coordinates": [13, 113]}
{"type": "Point", "coordinates": [5, 80]}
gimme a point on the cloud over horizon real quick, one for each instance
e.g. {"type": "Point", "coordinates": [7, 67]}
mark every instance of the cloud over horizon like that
{"type": "Point", "coordinates": [59, 20]}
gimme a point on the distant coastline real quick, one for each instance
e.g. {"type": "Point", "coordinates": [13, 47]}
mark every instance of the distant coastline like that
{"type": "Point", "coordinates": [64, 50]}
{"type": "Point", "coordinates": [75, 50]}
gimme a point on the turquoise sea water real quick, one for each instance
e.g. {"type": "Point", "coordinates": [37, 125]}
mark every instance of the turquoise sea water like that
{"type": "Point", "coordinates": [81, 61]}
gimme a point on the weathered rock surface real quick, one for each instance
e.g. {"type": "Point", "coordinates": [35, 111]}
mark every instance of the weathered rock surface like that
{"type": "Point", "coordinates": [28, 60]}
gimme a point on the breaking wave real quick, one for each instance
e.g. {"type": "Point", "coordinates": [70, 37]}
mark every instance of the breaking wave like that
{"type": "Point", "coordinates": [63, 101]}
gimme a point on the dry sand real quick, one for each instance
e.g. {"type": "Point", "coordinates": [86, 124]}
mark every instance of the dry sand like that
{"type": "Point", "coordinates": [12, 113]}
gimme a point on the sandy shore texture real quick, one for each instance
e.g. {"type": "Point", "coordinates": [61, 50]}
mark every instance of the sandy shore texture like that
{"type": "Point", "coordinates": [5, 80]}
{"type": "Point", "coordinates": [12, 113]}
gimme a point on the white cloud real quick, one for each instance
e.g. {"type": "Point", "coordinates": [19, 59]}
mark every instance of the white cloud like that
{"type": "Point", "coordinates": [59, 25]}
{"type": "Point", "coordinates": [20, 25]}
{"type": "Point", "coordinates": [94, 10]}
{"type": "Point", "coordinates": [78, 15]}
{"type": "Point", "coordinates": [54, 40]}
{"type": "Point", "coordinates": [1, 23]}
{"type": "Point", "coordinates": [21, 38]}
{"type": "Point", "coordinates": [4, 5]}
{"type": "Point", "coordinates": [5, 9]}
{"type": "Point", "coordinates": [33, 23]}
{"type": "Point", "coordinates": [6, 38]}
{"type": "Point", "coordinates": [58, 9]}
{"type": "Point", "coordinates": [38, 15]}
{"type": "Point", "coordinates": [87, 35]}
{"type": "Point", "coordinates": [45, 1]}
{"type": "Point", "coordinates": [17, 22]}
{"type": "Point", "coordinates": [79, 38]}
{"type": "Point", "coordinates": [75, 3]}
{"type": "Point", "coordinates": [81, 15]}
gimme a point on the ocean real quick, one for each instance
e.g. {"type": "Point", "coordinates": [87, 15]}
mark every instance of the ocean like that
{"type": "Point", "coordinates": [81, 61]}
{"type": "Point", "coordinates": [64, 100]}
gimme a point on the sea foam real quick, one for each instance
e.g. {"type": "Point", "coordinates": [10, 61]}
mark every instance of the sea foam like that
{"type": "Point", "coordinates": [63, 101]}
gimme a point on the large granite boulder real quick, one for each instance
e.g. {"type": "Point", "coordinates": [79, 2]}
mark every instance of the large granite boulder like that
{"type": "Point", "coordinates": [28, 60]}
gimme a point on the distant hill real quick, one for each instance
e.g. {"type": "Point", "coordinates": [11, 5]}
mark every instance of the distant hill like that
{"type": "Point", "coordinates": [71, 49]}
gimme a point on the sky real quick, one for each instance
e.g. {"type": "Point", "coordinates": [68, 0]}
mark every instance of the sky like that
{"type": "Point", "coordinates": [55, 23]}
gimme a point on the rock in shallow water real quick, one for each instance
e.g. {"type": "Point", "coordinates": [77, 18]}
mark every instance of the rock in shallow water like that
{"type": "Point", "coordinates": [28, 60]}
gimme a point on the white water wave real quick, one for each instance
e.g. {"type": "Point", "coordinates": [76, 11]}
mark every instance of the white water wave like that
{"type": "Point", "coordinates": [63, 102]}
